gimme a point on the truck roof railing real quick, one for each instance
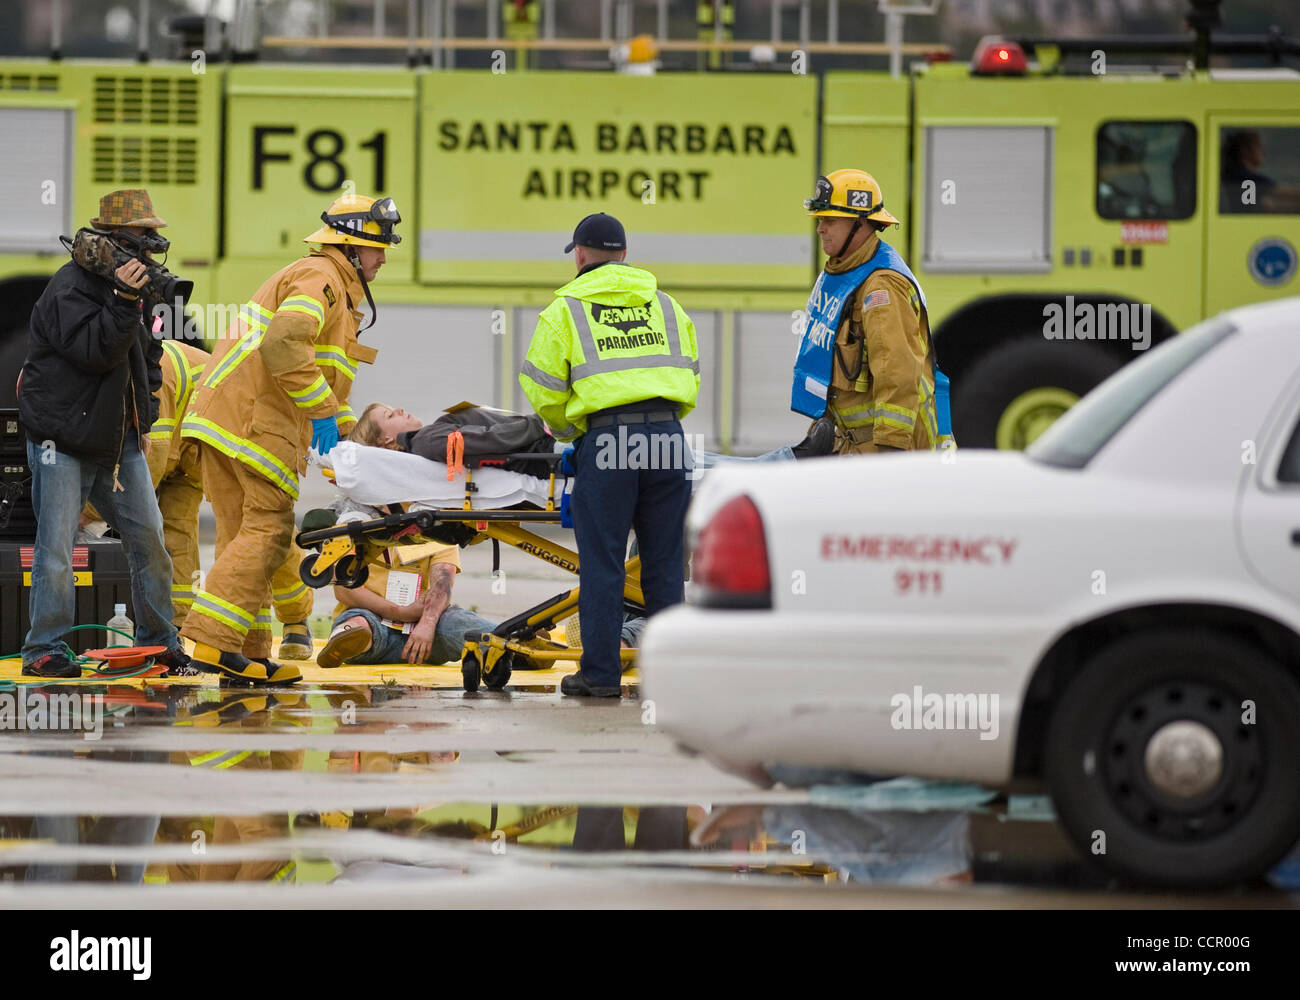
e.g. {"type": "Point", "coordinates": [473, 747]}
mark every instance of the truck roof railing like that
{"type": "Point", "coordinates": [1273, 45]}
{"type": "Point", "coordinates": [430, 36]}
{"type": "Point", "coordinates": [1200, 43]}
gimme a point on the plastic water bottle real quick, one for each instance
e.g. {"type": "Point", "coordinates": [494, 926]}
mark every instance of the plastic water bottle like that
{"type": "Point", "coordinates": [120, 621]}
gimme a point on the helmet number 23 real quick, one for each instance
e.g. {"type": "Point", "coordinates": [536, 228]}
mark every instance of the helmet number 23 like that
{"type": "Point", "coordinates": [323, 149]}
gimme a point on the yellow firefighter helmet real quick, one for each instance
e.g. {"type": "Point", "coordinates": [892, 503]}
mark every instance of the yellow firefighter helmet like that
{"type": "Point", "coordinates": [359, 221]}
{"type": "Point", "coordinates": [849, 194]}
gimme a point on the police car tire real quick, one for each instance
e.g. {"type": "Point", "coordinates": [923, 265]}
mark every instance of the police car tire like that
{"type": "Point", "coordinates": [1088, 765]}
{"type": "Point", "coordinates": [981, 394]}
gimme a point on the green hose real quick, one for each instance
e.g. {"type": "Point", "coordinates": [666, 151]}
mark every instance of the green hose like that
{"type": "Point", "coordinates": [6, 685]}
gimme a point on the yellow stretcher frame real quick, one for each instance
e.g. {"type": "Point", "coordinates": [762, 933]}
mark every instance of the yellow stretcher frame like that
{"type": "Point", "coordinates": [343, 553]}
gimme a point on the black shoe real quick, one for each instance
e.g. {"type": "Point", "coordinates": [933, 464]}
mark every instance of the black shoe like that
{"type": "Point", "coordinates": [820, 439]}
{"type": "Point", "coordinates": [576, 686]}
{"type": "Point", "coordinates": [52, 665]}
{"type": "Point", "coordinates": [177, 662]}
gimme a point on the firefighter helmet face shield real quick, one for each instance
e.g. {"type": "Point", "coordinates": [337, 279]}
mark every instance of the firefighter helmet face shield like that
{"type": "Point", "coordinates": [373, 226]}
{"type": "Point", "coordinates": [821, 199]}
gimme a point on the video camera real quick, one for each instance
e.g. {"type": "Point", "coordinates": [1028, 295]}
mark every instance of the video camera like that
{"type": "Point", "coordinates": [103, 251]}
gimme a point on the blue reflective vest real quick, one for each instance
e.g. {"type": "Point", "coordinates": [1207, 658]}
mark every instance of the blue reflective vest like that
{"type": "Point", "coordinates": [812, 366]}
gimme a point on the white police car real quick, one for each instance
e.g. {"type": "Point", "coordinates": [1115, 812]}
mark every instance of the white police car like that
{"type": "Point", "coordinates": [1115, 612]}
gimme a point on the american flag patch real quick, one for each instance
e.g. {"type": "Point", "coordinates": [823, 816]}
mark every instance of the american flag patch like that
{"type": "Point", "coordinates": [880, 297]}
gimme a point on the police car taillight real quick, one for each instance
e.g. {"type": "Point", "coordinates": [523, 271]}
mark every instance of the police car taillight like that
{"type": "Point", "coordinates": [994, 57]}
{"type": "Point", "coordinates": [729, 567]}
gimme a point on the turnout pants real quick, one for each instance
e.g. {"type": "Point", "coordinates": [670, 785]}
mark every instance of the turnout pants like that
{"type": "Point", "coordinates": [293, 600]}
{"type": "Point", "coordinates": [254, 531]}
{"type": "Point", "coordinates": [614, 494]}
{"type": "Point", "coordinates": [179, 497]}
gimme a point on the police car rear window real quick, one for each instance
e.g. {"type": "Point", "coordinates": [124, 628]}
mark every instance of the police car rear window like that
{"type": "Point", "coordinates": [1073, 440]}
{"type": "Point", "coordinates": [1289, 470]}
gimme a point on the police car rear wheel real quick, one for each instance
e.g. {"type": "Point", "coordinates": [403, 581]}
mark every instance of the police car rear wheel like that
{"type": "Point", "coordinates": [1012, 394]}
{"type": "Point", "coordinates": [1172, 759]}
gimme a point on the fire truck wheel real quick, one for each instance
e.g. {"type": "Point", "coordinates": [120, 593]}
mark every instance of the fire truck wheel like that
{"type": "Point", "coordinates": [1015, 392]}
{"type": "Point", "coordinates": [1173, 759]}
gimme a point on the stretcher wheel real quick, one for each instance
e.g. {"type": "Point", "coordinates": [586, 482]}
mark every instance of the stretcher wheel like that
{"type": "Point", "coordinates": [351, 572]}
{"type": "Point", "coordinates": [469, 672]}
{"type": "Point", "coordinates": [313, 580]}
{"type": "Point", "coordinates": [499, 676]}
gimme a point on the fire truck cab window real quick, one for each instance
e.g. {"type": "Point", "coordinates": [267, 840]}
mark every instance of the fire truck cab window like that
{"type": "Point", "coordinates": [1259, 170]}
{"type": "Point", "coordinates": [1146, 170]}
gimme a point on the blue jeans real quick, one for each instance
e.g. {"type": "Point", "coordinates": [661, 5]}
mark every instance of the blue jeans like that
{"type": "Point", "coordinates": [612, 495]}
{"type": "Point", "coordinates": [61, 484]}
{"type": "Point", "coordinates": [66, 829]}
{"type": "Point", "coordinates": [708, 459]}
{"type": "Point", "coordinates": [386, 644]}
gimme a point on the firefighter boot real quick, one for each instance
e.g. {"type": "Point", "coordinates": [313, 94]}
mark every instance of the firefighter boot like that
{"type": "Point", "coordinates": [296, 642]}
{"type": "Point", "coordinates": [238, 667]}
{"type": "Point", "coordinates": [820, 439]}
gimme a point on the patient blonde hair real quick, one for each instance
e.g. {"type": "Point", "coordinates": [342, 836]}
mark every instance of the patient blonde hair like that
{"type": "Point", "coordinates": [367, 430]}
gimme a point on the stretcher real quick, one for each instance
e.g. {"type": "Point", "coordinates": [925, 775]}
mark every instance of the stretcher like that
{"type": "Point", "coordinates": [457, 506]}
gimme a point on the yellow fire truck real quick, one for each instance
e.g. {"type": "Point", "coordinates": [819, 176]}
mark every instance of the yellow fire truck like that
{"type": "Point", "coordinates": [1062, 206]}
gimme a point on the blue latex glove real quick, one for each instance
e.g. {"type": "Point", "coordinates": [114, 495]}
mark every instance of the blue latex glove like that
{"type": "Point", "coordinates": [324, 434]}
{"type": "Point", "coordinates": [566, 462]}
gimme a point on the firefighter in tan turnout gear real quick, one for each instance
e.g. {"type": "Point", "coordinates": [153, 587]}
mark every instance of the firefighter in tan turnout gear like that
{"type": "Point", "coordinates": [865, 360]}
{"type": "Point", "coordinates": [276, 386]}
{"type": "Point", "coordinates": [174, 469]}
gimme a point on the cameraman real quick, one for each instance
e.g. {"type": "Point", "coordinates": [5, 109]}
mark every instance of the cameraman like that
{"type": "Point", "coordinates": [86, 399]}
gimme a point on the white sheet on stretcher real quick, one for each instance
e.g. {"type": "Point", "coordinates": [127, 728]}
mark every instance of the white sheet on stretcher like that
{"type": "Point", "coordinates": [380, 475]}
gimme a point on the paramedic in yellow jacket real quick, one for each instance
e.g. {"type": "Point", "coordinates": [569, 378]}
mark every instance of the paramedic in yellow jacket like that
{"type": "Point", "coordinates": [270, 393]}
{"type": "Point", "coordinates": [613, 365]}
{"type": "Point", "coordinates": [866, 359]}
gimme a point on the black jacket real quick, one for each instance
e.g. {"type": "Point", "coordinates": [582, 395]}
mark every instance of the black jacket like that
{"type": "Point", "coordinates": [92, 368]}
{"type": "Point", "coordinates": [486, 432]}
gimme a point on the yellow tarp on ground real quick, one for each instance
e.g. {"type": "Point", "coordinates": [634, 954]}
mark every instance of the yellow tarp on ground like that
{"type": "Point", "coordinates": [400, 673]}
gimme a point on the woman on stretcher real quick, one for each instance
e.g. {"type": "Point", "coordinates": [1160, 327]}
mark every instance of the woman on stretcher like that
{"type": "Point", "coordinates": [486, 430]}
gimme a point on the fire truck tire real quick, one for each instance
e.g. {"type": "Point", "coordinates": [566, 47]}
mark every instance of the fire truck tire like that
{"type": "Point", "coordinates": [1009, 396]}
{"type": "Point", "coordinates": [1173, 759]}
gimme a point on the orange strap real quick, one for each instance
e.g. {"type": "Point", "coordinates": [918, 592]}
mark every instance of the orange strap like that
{"type": "Point", "coordinates": [455, 454]}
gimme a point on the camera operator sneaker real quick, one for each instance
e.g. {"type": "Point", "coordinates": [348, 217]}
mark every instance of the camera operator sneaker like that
{"type": "Point", "coordinates": [52, 665]}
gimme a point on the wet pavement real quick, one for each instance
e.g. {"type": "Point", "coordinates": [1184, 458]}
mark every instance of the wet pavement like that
{"type": "Point", "coordinates": [390, 786]}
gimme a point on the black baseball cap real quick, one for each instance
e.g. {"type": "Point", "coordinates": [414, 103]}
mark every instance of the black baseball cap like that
{"type": "Point", "coordinates": [600, 232]}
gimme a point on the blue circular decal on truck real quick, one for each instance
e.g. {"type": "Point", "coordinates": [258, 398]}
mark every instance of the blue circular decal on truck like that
{"type": "Point", "coordinates": [1272, 261]}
